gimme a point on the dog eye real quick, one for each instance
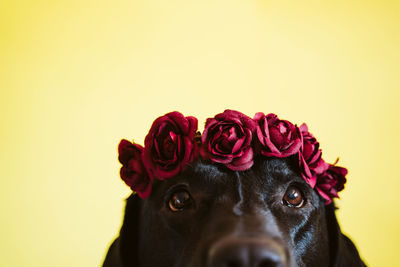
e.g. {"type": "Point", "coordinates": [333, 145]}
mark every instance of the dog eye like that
{"type": "Point", "coordinates": [179, 201]}
{"type": "Point", "coordinates": [293, 197]}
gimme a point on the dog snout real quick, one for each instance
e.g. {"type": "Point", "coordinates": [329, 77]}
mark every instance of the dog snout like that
{"type": "Point", "coordinates": [247, 252]}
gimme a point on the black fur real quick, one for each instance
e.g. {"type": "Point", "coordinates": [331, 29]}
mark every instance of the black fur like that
{"type": "Point", "coordinates": [236, 219]}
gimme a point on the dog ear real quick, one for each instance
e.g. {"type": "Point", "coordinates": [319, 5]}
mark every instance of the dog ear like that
{"type": "Point", "coordinates": [124, 250]}
{"type": "Point", "coordinates": [342, 252]}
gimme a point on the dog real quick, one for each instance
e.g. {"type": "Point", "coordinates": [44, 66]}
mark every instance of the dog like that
{"type": "Point", "coordinates": [211, 216]}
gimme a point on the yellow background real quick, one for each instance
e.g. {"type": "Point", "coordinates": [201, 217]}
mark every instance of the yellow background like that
{"type": "Point", "coordinates": [77, 76]}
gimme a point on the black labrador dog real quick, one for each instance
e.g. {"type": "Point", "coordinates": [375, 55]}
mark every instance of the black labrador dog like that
{"type": "Point", "coordinates": [209, 216]}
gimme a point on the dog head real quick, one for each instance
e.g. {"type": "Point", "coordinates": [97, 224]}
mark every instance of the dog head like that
{"type": "Point", "coordinates": [210, 216]}
{"type": "Point", "coordinates": [246, 202]}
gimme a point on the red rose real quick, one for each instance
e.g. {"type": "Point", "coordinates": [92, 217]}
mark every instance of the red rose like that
{"type": "Point", "coordinates": [227, 139]}
{"type": "Point", "coordinates": [331, 182]}
{"type": "Point", "coordinates": [310, 159]}
{"type": "Point", "coordinates": [277, 138]}
{"type": "Point", "coordinates": [132, 171]}
{"type": "Point", "coordinates": [170, 145]}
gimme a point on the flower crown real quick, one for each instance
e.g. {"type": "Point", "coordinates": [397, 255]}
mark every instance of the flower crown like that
{"type": "Point", "coordinates": [230, 138]}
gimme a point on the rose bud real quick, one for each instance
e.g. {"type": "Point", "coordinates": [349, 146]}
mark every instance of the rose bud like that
{"type": "Point", "coordinates": [227, 139]}
{"type": "Point", "coordinates": [331, 182]}
{"type": "Point", "coordinates": [133, 172]}
{"type": "Point", "coordinates": [310, 159]}
{"type": "Point", "coordinates": [277, 138]}
{"type": "Point", "coordinates": [170, 145]}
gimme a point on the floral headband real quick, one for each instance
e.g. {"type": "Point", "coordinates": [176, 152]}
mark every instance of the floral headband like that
{"type": "Point", "coordinates": [230, 138]}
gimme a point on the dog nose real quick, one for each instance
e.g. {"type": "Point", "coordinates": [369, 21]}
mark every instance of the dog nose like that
{"type": "Point", "coordinates": [247, 252]}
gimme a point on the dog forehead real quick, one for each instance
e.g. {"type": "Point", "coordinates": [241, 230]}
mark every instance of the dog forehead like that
{"type": "Point", "coordinates": [263, 170]}
{"type": "Point", "coordinates": [276, 167]}
{"type": "Point", "coordinates": [210, 173]}
{"type": "Point", "coordinates": [264, 174]}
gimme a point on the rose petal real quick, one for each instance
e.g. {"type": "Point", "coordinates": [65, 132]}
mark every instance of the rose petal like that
{"type": "Point", "coordinates": [238, 145]}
